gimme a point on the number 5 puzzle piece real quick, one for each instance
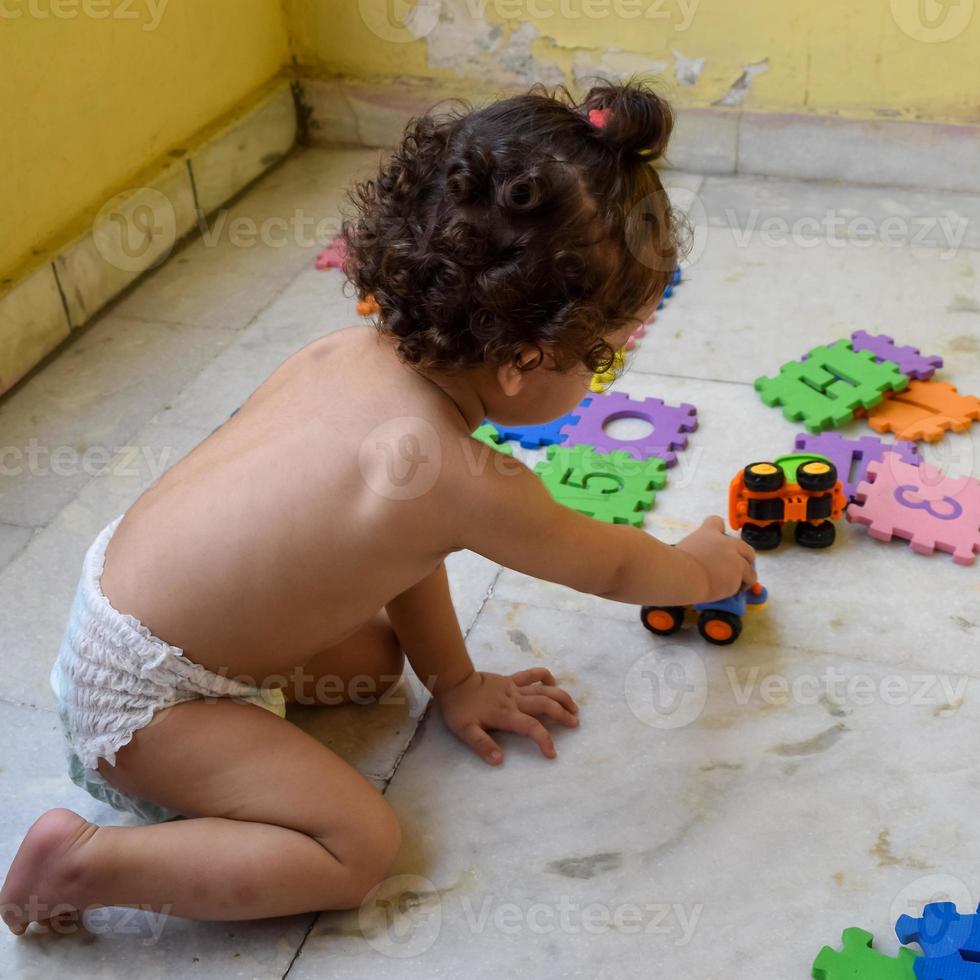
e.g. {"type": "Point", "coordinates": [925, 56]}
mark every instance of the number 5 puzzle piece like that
{"type": "Point", "coordinates": [927, 410]}
{"type": "Point", "coordinates": [922, 506]}
{"type": "Point", "coordinates": [610, 487]}
{"type": "Point", "coordinates": [859, 961]}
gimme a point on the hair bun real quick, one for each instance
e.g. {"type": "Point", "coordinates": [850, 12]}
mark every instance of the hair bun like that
{"type": "Point", "coordinates": [635, 120]}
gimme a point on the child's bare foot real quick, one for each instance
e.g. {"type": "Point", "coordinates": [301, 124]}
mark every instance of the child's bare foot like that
{"type": "Point", "coordinates": [45, 883]}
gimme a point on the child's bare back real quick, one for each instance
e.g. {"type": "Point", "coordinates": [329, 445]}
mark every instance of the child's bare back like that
{"type": "Point", "coordinates": [511, 250]}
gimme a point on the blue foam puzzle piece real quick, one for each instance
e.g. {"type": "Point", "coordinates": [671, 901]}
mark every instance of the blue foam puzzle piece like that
{"type": "Point", "coordinates": [539, 436]}
{"type": "Point", "coordinates": [941, 931]}
{"type": "Point", "coordinates": [953, 967]}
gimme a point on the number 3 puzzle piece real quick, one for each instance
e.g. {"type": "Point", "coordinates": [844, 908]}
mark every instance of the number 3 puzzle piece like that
{"type": "Point", "coordinates": [927, 410]}
{"type": "Point", "coordinates": [859, 961]}
{"type": "Point", "coordinates": [922, 506]}
{"type": "Point", "coordinates": [611, 487]}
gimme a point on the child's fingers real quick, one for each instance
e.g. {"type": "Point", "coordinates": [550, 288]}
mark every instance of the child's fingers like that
{"type": "Point", "coordinates": [524, 724]}
{"type": "Point", "coordinates": [558, 694]}
{"type": "Point", "coordinates": [482, 744]}
{"type": "Point", "coordinates": [539, 704]}
{"type": "Point", "coordinates": [532, 675]}
{"type": "Point", "coordinates": [714, 523]}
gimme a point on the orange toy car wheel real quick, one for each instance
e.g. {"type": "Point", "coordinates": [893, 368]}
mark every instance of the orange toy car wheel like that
{"type": "Point", "coordinates": [662, 620]}
{"type": "Point", "coordinates": [719, 628]}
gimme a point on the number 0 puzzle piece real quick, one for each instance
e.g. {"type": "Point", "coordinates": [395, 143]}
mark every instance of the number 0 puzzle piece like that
{"type": "Point", "coordinates": [927, 410]}
{"type": "Point", "coordinates": [921, 505]}
{"type": "Point", "coordinates": [610, 487]}
{"type": "Point", "coordinates": [670, 426]}
{"type": "Point", "coordinates": [909, 360]}
{"type": "Point", "coordinates": [859, 961]}
{"type": "Point", "coordinates": [824, 390]}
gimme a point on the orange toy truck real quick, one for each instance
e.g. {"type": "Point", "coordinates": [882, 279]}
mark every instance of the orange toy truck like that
{"type": "Point", "coordinates": [800, 487]}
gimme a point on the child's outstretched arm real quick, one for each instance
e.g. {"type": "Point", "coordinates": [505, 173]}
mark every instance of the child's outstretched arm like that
{"type": "Point", "coordinates": [510, 517]}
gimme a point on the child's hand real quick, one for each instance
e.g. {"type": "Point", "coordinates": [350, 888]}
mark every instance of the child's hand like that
{"type": "Point", "coordinates": [728, 562]}
{"type": "Point", "coordinates": [483, 702]}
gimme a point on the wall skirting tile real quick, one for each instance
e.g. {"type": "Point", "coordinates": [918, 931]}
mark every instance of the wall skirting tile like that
{"type": "Point", "coordinates": [137, 230]}
{"type": "Point", "coordinates": [32, 323]}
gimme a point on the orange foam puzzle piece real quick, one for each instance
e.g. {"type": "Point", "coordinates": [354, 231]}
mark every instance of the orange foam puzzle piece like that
{"type": "Point", "coordinates": [925, 410]}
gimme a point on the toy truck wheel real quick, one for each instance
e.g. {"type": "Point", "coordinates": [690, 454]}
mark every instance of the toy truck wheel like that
{"type": "Point", "coordinates": [662, 620]}
{"type": "Point", "coordinates": [819, 508]}
{"type": "Point", "coordinates": [763, 537]}
{"type": "Point", "coordinates": [817, 475]}
{"type": "Point", "coordinates": [820, 535]}
{"type": "Point", "coordinates": [770, 509]}
{"type": "Point", "coordinates": [719, 628]}
{"type": "Point", "coordinates": [763, 477]}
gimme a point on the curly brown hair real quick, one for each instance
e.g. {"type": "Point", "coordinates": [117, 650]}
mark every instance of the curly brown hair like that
{"type": "Point", "coordinates": [520, 223]}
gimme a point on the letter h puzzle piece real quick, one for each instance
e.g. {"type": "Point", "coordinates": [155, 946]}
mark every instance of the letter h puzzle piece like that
{"type": "Point", "coordinates": [610, 487]}
{"type": "Point", "coordinates": [921, 505]}
{"type": "Point", "coordinates": [824, 390]}
{"type": "Point", "coordinates": [859, 961]}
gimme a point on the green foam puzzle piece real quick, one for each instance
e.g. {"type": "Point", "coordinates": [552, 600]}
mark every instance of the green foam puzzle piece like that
{"type": "Point", "coordinates": [859, 961]}
{"type": "Point", "coordinates": [611, 487]}
{"type": "Point", "coordinates": [489, 436]}
{"type": "Point", "coordinates": [824, 390]}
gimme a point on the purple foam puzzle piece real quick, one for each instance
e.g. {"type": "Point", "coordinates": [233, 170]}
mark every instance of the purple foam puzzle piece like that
{"type": "Point", "coordinates": [670, 423]}
{"type": "Point", "coordinates": [851, 456]}
{"type": "Point", "coordinates": [910, 361]}
{"type": "Point", "coordinates": [547, 434]}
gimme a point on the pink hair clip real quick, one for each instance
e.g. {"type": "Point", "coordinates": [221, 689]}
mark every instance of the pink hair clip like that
{"type": "Point", "coordinates": [599, 117]}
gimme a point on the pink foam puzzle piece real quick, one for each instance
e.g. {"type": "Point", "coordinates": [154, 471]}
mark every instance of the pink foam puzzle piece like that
{"type": "Point", "coordinates": [332, 257]}
{"type": "Point", "coordinates": [920, 505]}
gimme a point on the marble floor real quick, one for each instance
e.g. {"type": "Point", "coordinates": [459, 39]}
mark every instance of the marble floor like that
{"type": "Point", "coordinates": [718, 813]}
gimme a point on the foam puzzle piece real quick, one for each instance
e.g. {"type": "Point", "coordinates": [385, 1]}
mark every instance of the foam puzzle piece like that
{"type": "Point", "coordinates": [634, 337]}
{"type": "Point", "coordinates": [674, 282]}
{"type": "Point", "coordinates": [612, 487]}
{"type": "Point", "coordinates": [851, 456]}
{"type": "Point", "coordinates": [909, 360]}
{"type": "Point", "coordinates": [823, 391]}
{"type": "Point", "coordinates": [921, 505]}
{"type": "Point", "coordinates": [954, 967]}
{"type": "Point", "coordinates": [927, 411]}
{"type": "Point", "coordinates": [332, 257]}
{"type": "Point", "coordinates": [858, 960]}
{"type": "Point", "coordinates": [489, 436]}
{"type": "Point", "coordinates": [539, 436]}
{"type": "Point", "coordinates": [670, 425]}
{"type": "Point", "coordinates": [601, 381]}
{"type": "Point", "coordinates": [941, 930]}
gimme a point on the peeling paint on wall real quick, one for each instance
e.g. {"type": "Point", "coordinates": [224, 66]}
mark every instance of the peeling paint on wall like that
{"type": "Point", "coordinates": [737, 93]}
{"type": "Point", "coordinates": [687, 71]}
{"type": "Point", "coordinates": [467, 44]}
{"type": "Point", "coordinates": [613, 65]}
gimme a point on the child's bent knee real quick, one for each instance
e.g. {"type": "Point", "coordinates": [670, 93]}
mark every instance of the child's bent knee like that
{"type": "Point", "coordinates": [368, 854]}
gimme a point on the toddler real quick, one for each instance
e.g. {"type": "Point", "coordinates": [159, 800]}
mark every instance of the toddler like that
{"type": "Point", "coordinates": [511, 251]}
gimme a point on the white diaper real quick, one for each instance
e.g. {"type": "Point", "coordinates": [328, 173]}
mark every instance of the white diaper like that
{"type": "Point", "coordinates": [112, 675]}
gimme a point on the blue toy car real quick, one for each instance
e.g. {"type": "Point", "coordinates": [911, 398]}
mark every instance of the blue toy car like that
{"type": "Point", "coordinates": [719, 622]}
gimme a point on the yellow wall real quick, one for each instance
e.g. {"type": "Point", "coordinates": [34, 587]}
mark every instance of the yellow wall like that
{"type": "Point", "coordinates": [853, 57]}
{"type": "Point", "coordinates": [89, 100]}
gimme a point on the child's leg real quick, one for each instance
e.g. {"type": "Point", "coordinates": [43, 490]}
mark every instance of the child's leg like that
{"type": "Point", "coordinates": [280, 825]}
{"type": "Point", "coordinates": [363, 666]}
